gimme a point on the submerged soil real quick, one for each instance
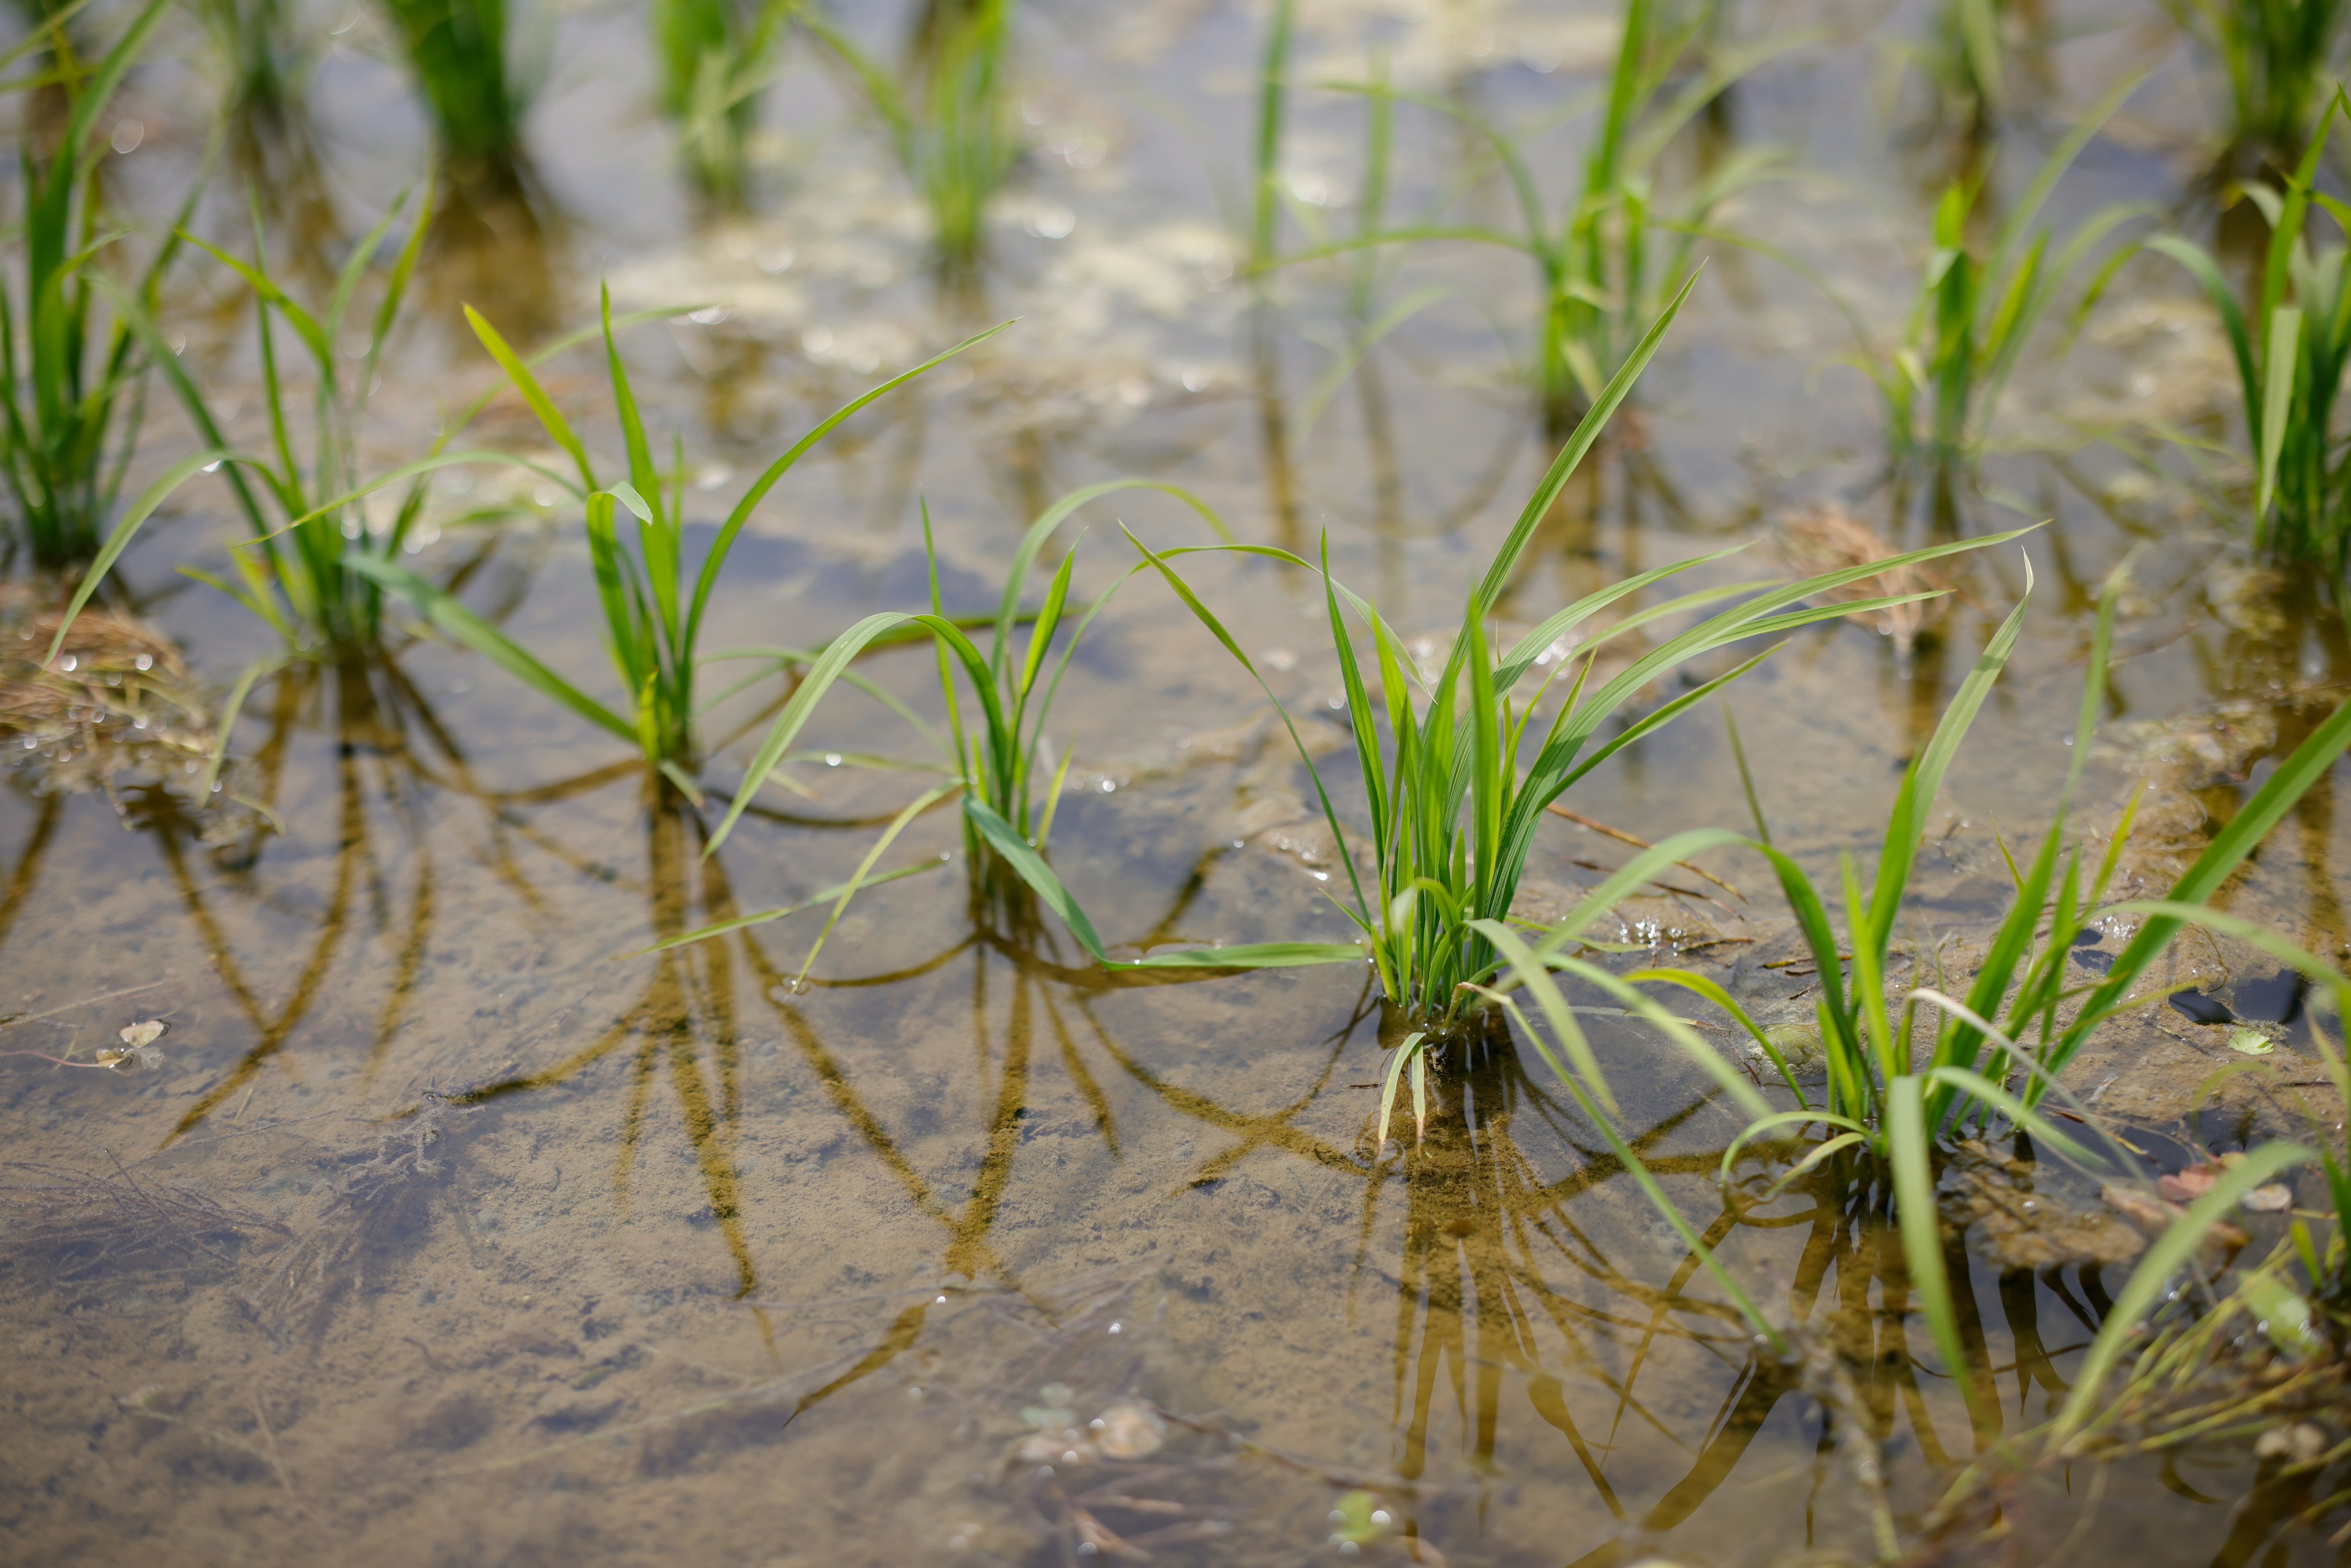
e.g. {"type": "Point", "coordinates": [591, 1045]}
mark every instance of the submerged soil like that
{"type": "Point", "coordinates": [433, 1229]}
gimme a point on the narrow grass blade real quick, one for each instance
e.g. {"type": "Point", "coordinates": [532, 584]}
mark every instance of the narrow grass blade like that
{"type": "Point", "coordinates": [2277, 400]}
{"type": "Point", "coordinates": [1908, 1146]}
{"type": "Point", "coordinates": [1700, 984]}
{"type": "Point", "coordinates": [913, 808]}
{"type": "Point", "coordinates": [118, 540]}
{"type": "Point", "coordinates": [1535, 980]}
{"type": "Point", "coordinates": [227, 722]}
{"type": "Point", "coordinates": [446, 612]}
{"type": "Point", "coordinates": [721, 928]}
{"type": "Point", "coordinates": [707, 578]}
{"type": "Point", "coordinates": [1008, 843]}
{"type": "Point", "coordinates": [558, 429]}
{"type": "Point", "coordinates": [1772, 1124]}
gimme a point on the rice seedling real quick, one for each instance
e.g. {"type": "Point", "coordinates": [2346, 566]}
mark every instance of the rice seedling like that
{"type": "Point", "coordinates": [460, 53]}
{"type": "Point", "coordinates": [303, 508]}
{"type": "Point", "coordinates": [1273, 91]}
{"type": "Point", "coordinates": [74, 369]}
{"type": "Point", "coordinates": [2291, 358]}
{"type": "Point", "coordinates": [952, 127]}
{"type": "Point", "coordinates": [653, 616]}
{"type": "Point", "coordinates": [2281, 58]}
{"type": "Point", "coordinates": [1978, 306]}
{"type": "Point", "coordinates": [1617, 248]}
{"type": "Point", "coordinates": [1896, 1082]}
{"type": "Point", "coordinates": [1962, 58]}
{"type": "Point", "coordinates": [995, 764]}
{"type": "Point", "coordinates": [717, 56]}
{"type": "Point", "coordinates": [255, 42]}
{"type": "Point", "coordinates": [1451, 813]}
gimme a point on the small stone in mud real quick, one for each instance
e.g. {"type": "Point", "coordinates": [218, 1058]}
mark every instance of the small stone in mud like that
{"type": "Point", "coordinates": [2198, 1007]}
{"type": "Point", "coordinates": [1129, 1431]}
{"type": "Point", "coordinates": [2269, 1200]}
{"type": "Point", "coordinates": [2274, 998]}
{"type": "Point", "coordinates": [2094, 958]}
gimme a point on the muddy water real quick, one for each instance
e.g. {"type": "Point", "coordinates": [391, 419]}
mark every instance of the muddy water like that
{"type": "Point", "coordinates": [444, 1234]}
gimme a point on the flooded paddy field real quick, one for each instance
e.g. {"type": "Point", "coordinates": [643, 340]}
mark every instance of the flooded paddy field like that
{"type": "Point", "coordinates": [441, 1222]}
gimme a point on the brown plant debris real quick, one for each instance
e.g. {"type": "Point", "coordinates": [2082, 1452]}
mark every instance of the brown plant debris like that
{"type": "Point", "coordinates": [1831, 539]}
{"type": "Point", "coordinates": [118, 699]}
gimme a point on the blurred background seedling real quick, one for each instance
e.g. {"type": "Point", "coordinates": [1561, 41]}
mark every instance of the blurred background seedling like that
{"type": "Point", "coordinates": [719, 57]}
{"type": "Point", "coordinates": [2290, 358]}
{"type": "Point", "coordinates": [1617, 248]}
{"type": "Point", "coordinates": [949, 115]}
{"type": "Point", "coordinates": [652, 617]}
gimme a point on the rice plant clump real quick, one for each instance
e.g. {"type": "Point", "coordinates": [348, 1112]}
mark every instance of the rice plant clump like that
{"type": "Point", "coordinates": [994, 756]}
{"type": "Point", "coordinates": [2280, 58]}
{"type": "Point", "coordinates": [949, 118]}
{"type": "Point", "coordinates": [2291, 358]}
{"type": "Point", "coordinates": [652, 615]}
{"type": "Point", "coordinates": [460, 52]}
{"type": "Point", "coordinates": [1612, 253]}
{"type": "Point", "coordinates": [1908, 1063]}
{"type": "Point", "coordinates": [73, 366]}
{"type": "Point", "coordinates": [717, 58]}
{"type": "Point", "coordinates": [1452, 798]}
{"type": "Point", "coordinates": [1978, 305]}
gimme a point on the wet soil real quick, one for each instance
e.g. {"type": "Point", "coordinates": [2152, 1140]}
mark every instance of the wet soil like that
{"type": "Point", "coordinates": [434, 1230]}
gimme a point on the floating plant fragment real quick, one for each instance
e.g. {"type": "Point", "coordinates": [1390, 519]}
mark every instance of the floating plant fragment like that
{"type": "Point", "coordinates": [2251, 1042]}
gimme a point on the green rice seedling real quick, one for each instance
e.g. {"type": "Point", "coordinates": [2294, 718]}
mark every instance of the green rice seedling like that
{"type": "Point", "coordinates": [2281, 58]}
{"type": "Point", "coordinates": [652, 615]}
{"type": "Point", "coordinates": [74, 369]}
{"type": "Point", "coordinates": [1450, 808]}
{"type": "Point", "coordinates": [1962, 58]}
{"type": "Point", "coordinates": [1897, 1082]}
{"type": "Point", "coordinates": [2290, 359]}
{"type": "Point", "coordinates": [1617, 248]}
{"type": "Point", "coordinates": [1272, 98]}
{"type": "Point", "coordinates": [717, 56]}
{"type": "Point", "coordinates": [460, 53]}
{"type": "Point", "coordinates": [301, 507]}
{"type": "Point", "coordinates": [255, 42]}
{"type": "Point", "coordinates": [952, 128]}
{"type": "Point", "coordinates": [994, 756]}
{"type": "Point", "coordinates": [1978, 306]}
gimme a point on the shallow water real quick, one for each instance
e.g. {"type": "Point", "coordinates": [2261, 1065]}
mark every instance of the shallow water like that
{"type": "Point", "coordinates": [444, 1235]}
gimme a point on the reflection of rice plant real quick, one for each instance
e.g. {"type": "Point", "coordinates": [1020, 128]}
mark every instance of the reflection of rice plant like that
{"type": "Point", "coordinates": [652, 622]}
{"type": "Point", "coordinates": [1895, 1082]}
{"type": "Point", "coordinates": [72, 365]}
{"type": "Point", "coordinates": [2290, 359]}
{"type": "Point", "coordinates": [952, 128]}
{"type": "Point", "coordinates": [717, 58]}
{"type": "Point", "coordinates": [2280, 56]}
{"type": "Point", "coordinates": [458, 50]}
{"type": "Point", "coordinates": [1606, 263]}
